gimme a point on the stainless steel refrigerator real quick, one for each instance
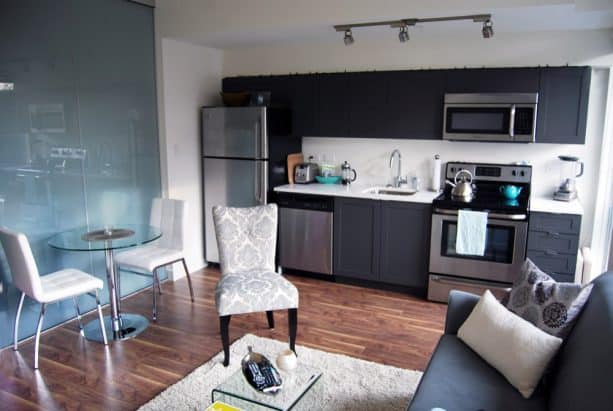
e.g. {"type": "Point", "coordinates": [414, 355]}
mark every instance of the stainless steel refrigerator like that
{"type": "Point", "coordinates": [244, 151]}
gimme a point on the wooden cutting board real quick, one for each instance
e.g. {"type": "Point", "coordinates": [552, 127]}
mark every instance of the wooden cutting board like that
{"type": "Point", "coordinates": [293, 160]}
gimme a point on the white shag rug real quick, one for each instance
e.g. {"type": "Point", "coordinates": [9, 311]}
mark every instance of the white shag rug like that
{"type": "Point", "coordinates": [348, 383]}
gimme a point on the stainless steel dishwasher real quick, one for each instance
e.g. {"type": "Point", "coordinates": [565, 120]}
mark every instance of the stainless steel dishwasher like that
{"type": "Point", "coordinates": [305, 232]}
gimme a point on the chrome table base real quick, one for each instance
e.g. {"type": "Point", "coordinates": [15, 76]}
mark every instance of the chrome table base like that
{"type": "Point", "coordinates": [130, 325]}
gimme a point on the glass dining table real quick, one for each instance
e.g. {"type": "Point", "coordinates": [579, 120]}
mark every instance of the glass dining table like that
{"type": "Point", "coordinates": [118, 324]}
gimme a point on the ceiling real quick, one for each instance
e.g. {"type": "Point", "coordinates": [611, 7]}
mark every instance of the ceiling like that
{"type": "Point", "coordinates": [248, 23]}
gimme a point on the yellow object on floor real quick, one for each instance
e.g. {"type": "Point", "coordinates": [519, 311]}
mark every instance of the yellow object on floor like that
{"type": "Point", "coordinates": [221, 406]}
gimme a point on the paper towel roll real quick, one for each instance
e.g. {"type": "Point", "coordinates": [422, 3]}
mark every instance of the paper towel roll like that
{"type": "Point", "coordinates": [436, 173]}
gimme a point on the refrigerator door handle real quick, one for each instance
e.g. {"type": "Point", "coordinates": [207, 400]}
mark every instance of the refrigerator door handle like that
{"type": "Point", "coordinates": [257, 182]}
{"type": "Point", "coordinates": [257, 137]}
{"type": "Point", "coordinates": [264, 182]}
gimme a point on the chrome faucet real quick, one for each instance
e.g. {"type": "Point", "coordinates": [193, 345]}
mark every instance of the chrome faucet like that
{"type": "Point", "coordinates": [397, 180]}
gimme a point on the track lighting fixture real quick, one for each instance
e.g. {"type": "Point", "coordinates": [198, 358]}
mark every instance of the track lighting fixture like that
{"type": "Point", "coordinates": [403, 35]}
{"type": "Point", "coordinates": [488, 29]}
{"type": "Point", "coordinates": [348, 39]}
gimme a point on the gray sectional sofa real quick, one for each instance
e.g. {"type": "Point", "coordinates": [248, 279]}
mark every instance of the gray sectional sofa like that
{"type": "Point", "coordinates": [580, 377]}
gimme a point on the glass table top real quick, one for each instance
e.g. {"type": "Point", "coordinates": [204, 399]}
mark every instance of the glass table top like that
{"type": "Point", "coordinates": [98, 238]}
{"type": "Point", "coordinates": [295, 385]}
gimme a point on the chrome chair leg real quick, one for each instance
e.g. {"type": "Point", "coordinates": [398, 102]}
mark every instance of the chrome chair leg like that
{"type": "Point", "coordinates": [101, 319]}
{"type": "Point", "coordinates": [38, 329]}
{"type": "Point", "coordinates": [76, 307]}
{"type": "Point", "coordinates": [17, 315]}
{"type": "Point", "coordinates": [155, 306]}
{"type": "Point", "coordinates": [189, 279]}
{"type": "Point", "coordinates": [157, 278]}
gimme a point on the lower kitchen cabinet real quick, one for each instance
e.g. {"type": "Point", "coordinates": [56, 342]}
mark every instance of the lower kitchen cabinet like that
{"type": "Point", "coordinates": [356, 238]}
{"type": "Point", "coordinates": [553, 243]}
{"type": "Point", "coordinates": [382, 241]}
{"type": "Point", "coordinates": [405, 237]}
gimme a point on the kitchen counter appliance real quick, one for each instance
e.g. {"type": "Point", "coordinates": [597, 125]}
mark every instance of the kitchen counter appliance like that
{"type": "Point", "coordinates": [244, 156]}
{"type": "Point", "coordinates": [305, 232]}
{"type": "Point", "coordinates": [506, 233]}
{"type": "Point", "coordinates": [500, 117]}
{"type": "Point", "coordinates": [305, 173]}
{"type": "Point", "coordinates": [571, 168]}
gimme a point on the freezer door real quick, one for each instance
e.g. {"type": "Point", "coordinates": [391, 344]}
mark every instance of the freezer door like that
{"type": "Point", "coordinates": [237, 132]}
{"type": "Point", "coordinates": [230, 182]}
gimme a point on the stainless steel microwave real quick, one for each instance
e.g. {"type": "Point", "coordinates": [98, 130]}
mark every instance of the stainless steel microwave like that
{"type": "Point", "coordinates": [497, 117]}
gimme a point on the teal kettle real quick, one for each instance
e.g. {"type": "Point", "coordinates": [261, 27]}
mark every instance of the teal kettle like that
{"type": "Point", "coordinates": [510, 191]}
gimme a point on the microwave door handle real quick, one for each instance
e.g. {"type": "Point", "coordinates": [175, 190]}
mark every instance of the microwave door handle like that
{"type": "Point", "coordinates": [512, 121]}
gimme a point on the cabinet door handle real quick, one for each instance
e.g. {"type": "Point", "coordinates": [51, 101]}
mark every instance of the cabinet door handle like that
{"type": "Point", "coordinates": [553, 234]}
{"type": "Point", "coordinates": [551, 252]}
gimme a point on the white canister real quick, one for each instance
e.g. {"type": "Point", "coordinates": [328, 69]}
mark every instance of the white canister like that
{"type": "Point", "coordinates": [287, 360]}
{"type": "Point", "coordinates": [436, 173]}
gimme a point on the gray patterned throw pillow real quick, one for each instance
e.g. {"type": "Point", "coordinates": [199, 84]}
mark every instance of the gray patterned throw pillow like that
{"type": "Point", "coordinates": [551, 306]}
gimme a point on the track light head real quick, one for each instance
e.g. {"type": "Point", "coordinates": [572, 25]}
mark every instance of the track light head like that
{"type": "Point", "coordinates": [348, 38]}
{"type": "Point", "coordinates": [488, 29]}
{"type": "Point", "coordinates": [403, 34]}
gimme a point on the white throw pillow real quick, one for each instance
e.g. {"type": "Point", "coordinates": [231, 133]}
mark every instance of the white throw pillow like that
{"type": "Point", "coordinates": [516, 348]}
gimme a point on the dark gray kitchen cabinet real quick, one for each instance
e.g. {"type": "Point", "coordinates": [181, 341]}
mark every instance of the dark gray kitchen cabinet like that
{"type": "Point", "coordinates": [405, 239]}
{"type": "Point", "coordinates": [382, 241]}
{"type": "Point", "coordinates": [414, 106]}
{"type": "Point", "coordinates": [367, 100]}
{"type": "Point", "coordinates": [553, 243]}
{"type": "Point", "coordinates": [356, 238]}
{"type": "Point", "coordinates": [493, 80]}
{"type": "Point", "coordinates": [304, 100]}
{"type": "Point", "coordinates": [333, 105]}
{"type": "Point", "coordinates": [562, 109]}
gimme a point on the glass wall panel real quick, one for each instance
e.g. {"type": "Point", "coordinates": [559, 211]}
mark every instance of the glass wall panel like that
{"type": "Point", "coordinates": [78, 134]}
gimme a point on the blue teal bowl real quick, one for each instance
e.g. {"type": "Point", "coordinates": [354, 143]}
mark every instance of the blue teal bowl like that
{"type": "Point", "coordinates": [328, 180]}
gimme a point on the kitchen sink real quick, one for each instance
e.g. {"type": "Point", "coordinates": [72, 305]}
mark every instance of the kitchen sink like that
{"type": "Point", "coordinates": [390, 191]}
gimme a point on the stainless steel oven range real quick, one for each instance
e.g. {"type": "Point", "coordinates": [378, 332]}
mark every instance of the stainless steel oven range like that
{"type": "Point", "coordinates": [506, 232]}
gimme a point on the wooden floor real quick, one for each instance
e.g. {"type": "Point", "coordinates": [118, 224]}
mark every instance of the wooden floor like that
{"type": "Point", "coordinates": [381, 326]}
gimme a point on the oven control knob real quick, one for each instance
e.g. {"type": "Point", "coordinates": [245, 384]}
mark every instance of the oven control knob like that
{"type": "Point", "coordinates": [514, 172]}
{"type": "Point", "coordinates": [522, 173]}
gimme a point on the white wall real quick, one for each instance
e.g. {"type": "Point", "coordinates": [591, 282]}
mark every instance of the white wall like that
{"type": "Point", "coordinates": [370, 157]}
{"type": "Point", "coordinates": [190, 77]}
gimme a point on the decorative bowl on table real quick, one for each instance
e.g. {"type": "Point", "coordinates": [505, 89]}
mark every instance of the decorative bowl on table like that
{"type": "Point", "coordinates": [328, 179]}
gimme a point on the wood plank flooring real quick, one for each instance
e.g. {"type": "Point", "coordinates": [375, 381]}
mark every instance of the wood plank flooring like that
{"type": "Point", "coordinates": [75, 374]}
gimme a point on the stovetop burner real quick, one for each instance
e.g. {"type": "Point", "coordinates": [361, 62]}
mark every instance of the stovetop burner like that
{"type": "Point", "coordinates": [488, 178]}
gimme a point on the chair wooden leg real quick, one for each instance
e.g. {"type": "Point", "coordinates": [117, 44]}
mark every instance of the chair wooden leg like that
{"type": "Point", "coordinates": [17, 315]}
{"type": "Point", "coordinates": [38, 329]}
{"type": "Point", "coordinates": [271, 319]}
{"type": "Point", "coordinates": [292, 315]}
{"type": "Point", "coordinates": [189, 279]}
{"type": "Point", "coordinates": [224, 323]}
{"type": "Point", "coordinates": [155, 302]}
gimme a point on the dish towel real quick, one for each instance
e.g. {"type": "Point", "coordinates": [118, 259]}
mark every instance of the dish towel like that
{"type": "Point", "coordinates": [472, 229]}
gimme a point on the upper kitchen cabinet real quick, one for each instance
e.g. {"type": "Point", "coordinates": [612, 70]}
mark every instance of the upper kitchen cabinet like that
{"type": "Point", "coordinates": [367, 100]}
{"type": "Point", "coordinates": [304, 99]}
{"type": "Point", "coordinates": [494, 80]}
{"type": "Point", "coordinates": [414, 107]}
{"type": "Point", "coordinates": [562, 109]}
{"type": "Point", "coordinates": [333, 105]}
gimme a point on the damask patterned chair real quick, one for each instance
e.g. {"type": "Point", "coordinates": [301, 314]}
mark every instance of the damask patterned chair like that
{"type": "Point", "coordinates": [247, 240]}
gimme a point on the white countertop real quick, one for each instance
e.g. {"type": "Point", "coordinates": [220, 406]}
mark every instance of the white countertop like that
{"type": "Point", "coordinates": [355, 191]}
{"type": "Point", "coordinates": [549, 205]}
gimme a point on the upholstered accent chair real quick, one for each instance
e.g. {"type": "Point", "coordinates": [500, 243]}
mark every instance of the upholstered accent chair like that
{"type": "Point", "coordinates": [247, 240]}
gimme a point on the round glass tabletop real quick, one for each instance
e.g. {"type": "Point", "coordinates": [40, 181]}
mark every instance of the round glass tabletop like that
{"type": "Point", "coordinates": [96, 238]}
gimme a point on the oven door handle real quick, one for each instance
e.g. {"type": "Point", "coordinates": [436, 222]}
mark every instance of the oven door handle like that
{"type": "Point", "coordinates": [496, 216]}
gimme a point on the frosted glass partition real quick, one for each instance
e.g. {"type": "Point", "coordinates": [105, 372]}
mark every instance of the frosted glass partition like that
{"type": "Point", "coordinates": [78, 134]}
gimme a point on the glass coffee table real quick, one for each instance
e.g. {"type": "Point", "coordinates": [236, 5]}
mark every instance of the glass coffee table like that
{"type": "Point", "coordinates": [301, 391]}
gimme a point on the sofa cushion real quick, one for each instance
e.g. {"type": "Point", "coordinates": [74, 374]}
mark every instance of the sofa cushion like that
{"type": "Point", "coordinates": [458, 379]}
{"type": "Point", "coordinates": [512, 345]}
{"type": "Point", "coordinates": [551, 306]}
{"type": "Point", "coordinates": [583, 376]}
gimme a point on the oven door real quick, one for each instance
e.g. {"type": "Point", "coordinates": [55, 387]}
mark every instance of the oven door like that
{"type": "Point", "coordinates": [505, 248]}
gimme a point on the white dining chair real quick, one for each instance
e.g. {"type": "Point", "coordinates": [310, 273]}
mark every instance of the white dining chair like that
{"type": "Point", "coordinates": [45, 289]}
{"type": "Point", "coordinates": [171, 217]}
